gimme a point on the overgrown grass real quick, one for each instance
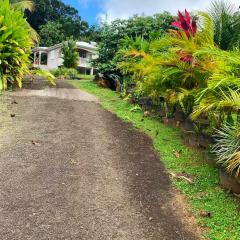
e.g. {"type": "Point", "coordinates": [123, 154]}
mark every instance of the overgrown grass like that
{"type": "Point", "coordinates": [204, 195]}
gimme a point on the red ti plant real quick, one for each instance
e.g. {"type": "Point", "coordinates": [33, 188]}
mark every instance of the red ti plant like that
{"type": "Point", "coordinates": [186, 23]}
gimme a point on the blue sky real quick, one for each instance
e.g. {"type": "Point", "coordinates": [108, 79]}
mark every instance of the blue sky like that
{"type": "Point", "coordinates": [90, 10]}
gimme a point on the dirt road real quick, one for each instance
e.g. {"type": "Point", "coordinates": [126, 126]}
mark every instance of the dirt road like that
{"type": "Point", "coordinates": [71, 170]}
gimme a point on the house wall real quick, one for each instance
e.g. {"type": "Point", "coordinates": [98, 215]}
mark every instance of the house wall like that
{"type": "Point", "coordinates": [54, 58]}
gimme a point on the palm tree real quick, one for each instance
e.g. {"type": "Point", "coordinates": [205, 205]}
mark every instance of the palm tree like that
{"type": "Point", "coordinates": [226, 18]}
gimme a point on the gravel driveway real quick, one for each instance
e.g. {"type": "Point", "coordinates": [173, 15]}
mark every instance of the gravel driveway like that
{"type": "Point", "coordinates": [71, 170]}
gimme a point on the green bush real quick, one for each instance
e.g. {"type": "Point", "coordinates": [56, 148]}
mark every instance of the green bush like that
{"type": "Point", "coordinates": [227, 147]}
{"type": "Point", "coordinates": [15, 45]}
{"type": "Point", "coordinates": [187, 71]}
{"type": "Point", "coordinates": [66, 73]}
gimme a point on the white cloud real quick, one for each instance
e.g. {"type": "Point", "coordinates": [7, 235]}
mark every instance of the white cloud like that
{"type": "Point", "coordinates": [126, 8]}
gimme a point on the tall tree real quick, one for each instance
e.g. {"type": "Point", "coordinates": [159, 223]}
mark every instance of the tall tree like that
{"type": "Point", "coordinates": [70, 54]}
{"type": "Point", "coordinates": [57, 11]}
{"type": "Point", "coordinates": [51, 34]}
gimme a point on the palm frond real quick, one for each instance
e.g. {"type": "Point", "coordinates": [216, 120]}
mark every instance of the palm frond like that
{"type": "Point", "coordinates": [205, 34]}
{"type": "Point", "coordinates": [227, 147]}
{"type": "Point", "coordinates": [23, 5]}
{"type": "Point", "coordinates": [225, 24]}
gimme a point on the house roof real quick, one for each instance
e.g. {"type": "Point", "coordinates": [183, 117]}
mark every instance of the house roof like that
{"type": "Point", "coordinates": [92, 47]}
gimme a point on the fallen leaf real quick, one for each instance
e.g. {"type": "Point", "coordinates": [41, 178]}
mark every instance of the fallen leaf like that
{"type": "Point", "coordinates": [14, 102]}
{"type": "Point", "coordinates": [182, 176]}
{"type": "Point", "coordinates": [36, 143]}
{"type": "Point", "coordinates": [177, 154]}
{"type": "Point", "coordinates": [73, 162]}
{"type": "Point", "coordinates": [146, 114]}
{"type": "Point", "coordinates": [205, 214]}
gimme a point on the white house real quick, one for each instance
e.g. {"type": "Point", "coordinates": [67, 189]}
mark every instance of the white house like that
{"type": "Point", "coordinates": [48, 58]}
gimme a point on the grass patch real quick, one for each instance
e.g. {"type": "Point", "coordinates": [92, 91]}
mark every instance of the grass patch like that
{"type": "Point", "coordinates": [205, 194]}
{"type": "Point", "coordinates": [87, 77]}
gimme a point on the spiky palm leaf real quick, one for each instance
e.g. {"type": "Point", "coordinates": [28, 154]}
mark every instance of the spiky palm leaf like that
{"type": "Point", "coordinates": [227, 147]}
{"type": "Point", "coordinates": [217, 101]}
{"type": "Point", "coordinates": [22, 4]}
{"type": "Point", "coordinates": [226, 23]}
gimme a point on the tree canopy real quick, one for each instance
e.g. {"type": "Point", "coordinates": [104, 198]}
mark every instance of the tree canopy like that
{"type": "Point", "coordinates": [111, 36]}
{"type": "Point", "coordinates": [50, 13]}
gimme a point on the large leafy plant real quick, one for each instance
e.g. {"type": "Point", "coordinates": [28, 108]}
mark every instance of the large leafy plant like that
{"type": "Point", "coordinates": [15, 45]}
{"type": "Point", "coordinates": [70, 54]}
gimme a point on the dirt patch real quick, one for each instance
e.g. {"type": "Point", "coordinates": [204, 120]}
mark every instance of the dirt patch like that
{"type": "Point", "coordinates": [90, 176]}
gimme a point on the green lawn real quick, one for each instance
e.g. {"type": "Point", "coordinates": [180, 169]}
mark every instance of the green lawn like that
{"type": "Point", "coordinates": [205, 194]}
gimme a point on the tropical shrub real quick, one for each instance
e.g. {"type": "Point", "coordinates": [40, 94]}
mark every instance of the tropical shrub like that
{"type": "Point", "coordinates": [15, 45]}
{"type": "Point", "coordinates": [227, 147]}
{"type": "Point", "coordinates": [168, 67]}
{"type": "Point", "coordinates": [26, 5]}
{"type": "Point", "coordinates": [70, 54]}
{"type": "Point", "coordinates": [66, 73]}
{"type": "Point", "coordinates": [220, 99]}
{"type": "Point", "coordinates": [111, 37]}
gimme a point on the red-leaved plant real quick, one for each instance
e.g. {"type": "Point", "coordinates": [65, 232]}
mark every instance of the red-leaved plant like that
{"type": "Point", "coordinates": [186, 23]}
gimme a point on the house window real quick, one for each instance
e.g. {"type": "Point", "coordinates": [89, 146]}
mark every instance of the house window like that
{"type": "Point", "coordinates": [82, 53]}
{"type": "Point", "coordinates": [44, 58]}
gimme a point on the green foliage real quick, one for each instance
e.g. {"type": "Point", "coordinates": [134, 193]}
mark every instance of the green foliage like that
{"type": "Point", "coordinates": [189, 73]}
{"type": "Point", "coordinates": [226, 19]}
{"type": "Point", "coordinates": [56, 11]}
{"type": "Point", "coordinates": [221, 97]}
{"type": "Point", "coordinates": [15, 45]}
{"type": "Point", "coordinates": [25, 5]}
{"type": "Point", "coordinates": [70, 54]}
{"type": "Point", "coordinates": [45, 74]}
{"type": "Point", "coordinates": [66, 73]}
{"type": "Point", "coordinates": [111, 37]}
{"type": "Point", "coordinates": [227, 147]}
{"type": "Point", "coordinates": [22, 4]}
{"type": "Point", "coordinates": [169, 67]}
{"type": "Point", "coordinates": [51, 33]}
